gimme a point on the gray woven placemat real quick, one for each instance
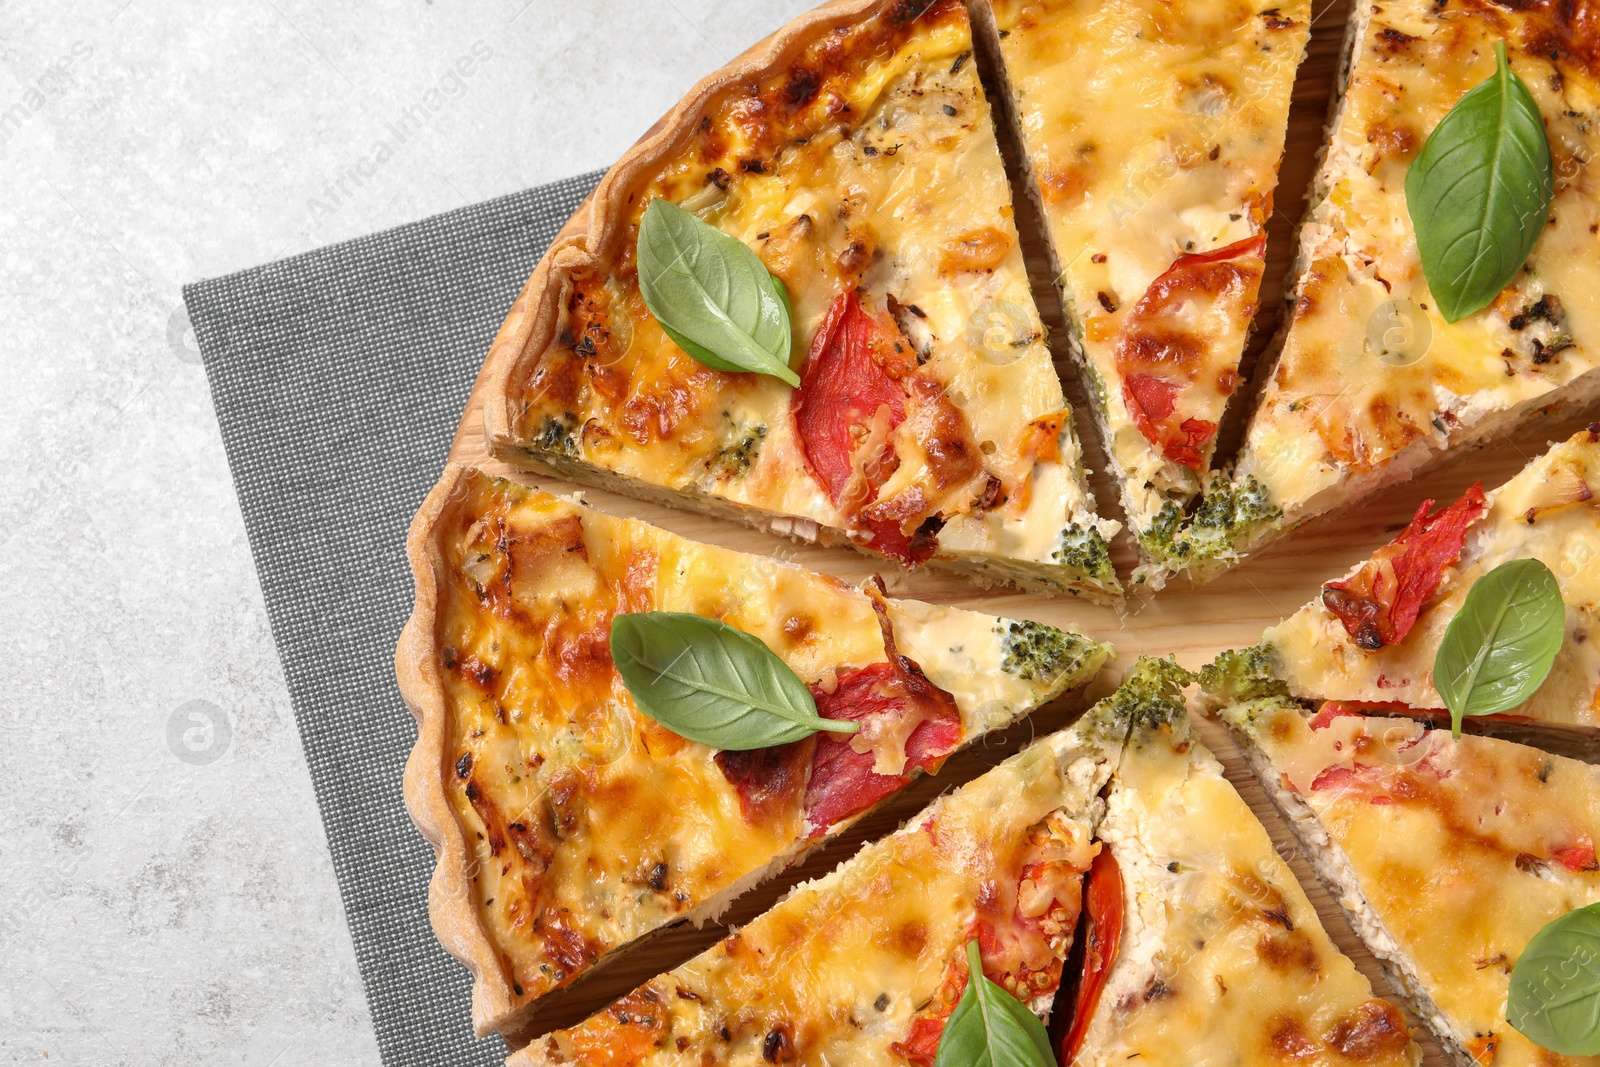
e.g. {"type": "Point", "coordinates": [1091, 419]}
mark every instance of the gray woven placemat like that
{"type": "Point", "coordinates": [338, 377]}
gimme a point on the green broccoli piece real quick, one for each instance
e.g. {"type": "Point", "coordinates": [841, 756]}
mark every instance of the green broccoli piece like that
{"type": "Point", "coordinates": [1159, 540]}
{"type": "Point", "coordinates": [735, 460]}
{"type": "Point", "coordinates": [1229, 514]}
{"type": "Point", "coordinates": [555, 435]}
{"type": "Point", "coordinates": [1083, 549]}
{"type": "Point", "coordinates": [1243, 674]}
{"type": "Point", "coordinates": [1036, 652]}
{"type": "Point", "coordinates": [1150, 695]}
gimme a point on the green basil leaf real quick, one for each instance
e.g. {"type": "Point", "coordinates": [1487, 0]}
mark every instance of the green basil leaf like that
{"type": "Point", "coordinates": [704, 680]}
{"type": "Point", "coordinates": [991, 1028]}
{"type": "Point", "coordinates": [1554, 999]}
{"type": "Point", "coordinates": [1479, 192]}
{"type": "Point", "coordinates": [1500, 646]}
{"type": "Point", "coordinates": [712, 294]}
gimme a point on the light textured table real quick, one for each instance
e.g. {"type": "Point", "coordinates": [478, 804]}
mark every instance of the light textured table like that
{"type": "Point", "coordinates": [165, 891]}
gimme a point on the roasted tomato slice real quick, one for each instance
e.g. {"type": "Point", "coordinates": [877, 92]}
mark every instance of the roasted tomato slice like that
{"type": "Point", "coordinates": [1103, 902]}
{"type": "Point", "coordinates": [1379, 603]}
{"type": "Point", "coordinates": [888, 699]}
{"type": "Point", "coordinates": [853, 393]}
{"type": "Point", "coordinates": [850, 397]}
{"type": "Point", "coordinates": [1167, 352]}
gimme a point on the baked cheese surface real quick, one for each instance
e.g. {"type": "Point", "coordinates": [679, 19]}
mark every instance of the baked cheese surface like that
{"type": "Point", "coordinates": [867, 178]}
{"type": "Point", "coordinates": [1458, 851]}
{"type": "Point", "coordinates": [1153, 131]}
{"type": "Point", "coordinates": [1371, 379]}
{"type": "Point", "coordinates": [862, 966]}
{"type": "Point", "coordinates": [1550, 512]}
{"type": "Point", "coordinates": [1223, 960]}
{"type": "Point", "coordinates": [591, 823]}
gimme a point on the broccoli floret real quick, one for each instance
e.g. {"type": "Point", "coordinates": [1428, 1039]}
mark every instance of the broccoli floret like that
{"type": "Point", "coordinates": [1159, 539]}
{"type": "Point", "coordinates": [555, 435]}
{"type": "Point", "coordinates": [735, 460]}
{"type": "Point", "coordinates": [1151, 694]}
{"type": "Point", "coordinates": [1243, 674]}
{"type": "Point", "coordinates": [1083, 549]}
{"type": "Point", "coordinates": [1230, 513]}
{"type": "Point", "coordinates": [1036, 652]}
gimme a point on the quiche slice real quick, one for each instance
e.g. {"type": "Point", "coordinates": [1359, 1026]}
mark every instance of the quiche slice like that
{"type": "Point", "coordinates": [1370, 640]}
{"type": "Point", "coordinates": [854, 154]}
{"type": "Point", "coordinates": [1448, 856]}
{"type": "Point", "coordinates": [1222, 958]}
{"type": "Point", "coordinates": [1152, 131]}
{"type": "Point", "coordinates": [567, 823]}
{"type": "Point", "coordinates": [865, 965]}
{"type": "Point", "coordinates": [1372, 382]}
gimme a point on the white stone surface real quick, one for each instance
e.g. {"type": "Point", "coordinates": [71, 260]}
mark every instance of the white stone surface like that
{"type": "Point", "coordinates": [154, 908]}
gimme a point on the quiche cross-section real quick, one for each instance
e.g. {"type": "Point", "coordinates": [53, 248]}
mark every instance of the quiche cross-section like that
{"type": "Point", "coordinates": [568, 824]}
{"type": "Point", "coordinates": [854, 154]}
{"type": "Point", "coordinates": [1447, 855]}
{"type": "Point", "coordinates": [1152, 131]}
{"type": "Point", "coordinates": [1371, 637]}
{"type": "Point", "coordinates": [1372, 382]}
{"type": "Point", "coordinates": [1221, 957]}
{"type": "Point", "coordinates": [865, 965]}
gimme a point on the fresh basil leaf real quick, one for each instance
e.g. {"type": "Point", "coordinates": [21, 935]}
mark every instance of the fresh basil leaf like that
{"type": "Point", "coordinates": [991, 1028]}
{"type": "Point", "coordinates": [712, 294]}
{"type": "Point", "coordinates": [704, 680]}
{"type": "Point", "coordinates": [1479, 192]}
{"type": "Point", "coordinates": [1554, 999]}
{"type": "Point", "coordinates": [1500, 646]}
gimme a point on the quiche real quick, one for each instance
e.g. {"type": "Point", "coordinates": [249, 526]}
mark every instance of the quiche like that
{"type": "Point", "coordinates": [1152, 131]}
{"type": "Point", "coordinates": [569, 824]}
{"type": "Point", "coordinates": [1448, 855]}
{"type": "Point", "coordinates": [854, 155]}
{"type": "Point", "coordinates": [1371, 638]}
{"type": "Point", "coordinates": [1372, 382]}
{"type": "Point", "coordinates": [865, 965]}
{"type": "Point", "coordinates": [1222, 958]}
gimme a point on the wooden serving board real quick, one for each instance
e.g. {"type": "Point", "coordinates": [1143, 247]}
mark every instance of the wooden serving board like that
{"type": "Point", "coordinates": [1193, 623]}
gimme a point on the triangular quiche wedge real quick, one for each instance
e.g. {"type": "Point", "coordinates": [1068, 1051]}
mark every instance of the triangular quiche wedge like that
{"type": "Point", "coordinates": [567, 823]}
{"type": "Point", "coordinates": [1152, 132]}
{"type": "Point", "coordinates": [854, 154]}
{"type": "Point", "coordinates": [865, 965]}
{"type": "Point", "coordinates": [1222, 959]}
{"type": "Point", "coordinates": [1371, 382]}
{"type": "Point", "coordinates": [1371, 637]}
{"type": "Point", "coordinates": [1447, 855]}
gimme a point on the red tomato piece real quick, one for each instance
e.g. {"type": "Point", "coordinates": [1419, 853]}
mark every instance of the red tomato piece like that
{"type": "Point", "coordinates": [843, 782]}
{"type": "Point", "coordinates": [1103, 902]}
{"type": "Point", "coordinates": [1380, 602]}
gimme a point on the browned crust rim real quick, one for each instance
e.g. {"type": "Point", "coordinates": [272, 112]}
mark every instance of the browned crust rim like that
{"type": "Point", "coordinates": [456, 920]}
{"type": "Point", "coordinates": [587, 239]}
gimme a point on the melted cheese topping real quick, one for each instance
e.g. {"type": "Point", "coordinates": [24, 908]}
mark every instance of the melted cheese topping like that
{"type": "Point", "coordinates": [871, 162]}
{"type": "Point", "coordinates": [1369, 367]}
{"type": "Point", "coordinates": [1454, 846]}
{"type": "Point", "coordinates": [1152, 130]}
{"type": "Point", "coordinates": [592, 823]}
{"type": "Point", "coordinates": [1550, 512]}
{"type": "Point", "coordinates": [836, 972]}
{"type": "Point", "coordinates": [1223, 959]}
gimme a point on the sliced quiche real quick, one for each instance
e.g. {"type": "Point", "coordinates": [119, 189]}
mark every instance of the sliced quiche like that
{"type": "Point", "coordinates": [1152, 131]}
{"type": "Point", "coordinates": [568, 821]}
{"type": "Point", "coordinates": [1448, 855]}
{"type": "Point", "coordinates": [1222, 959]}
{"type": "Point", "coordinates": [1372, 382]}
{"type": "Point", "coordinates": [861, 244]}
{"type": "Point", "coordinates": [1372, 637]}
{"type": "Point", "coordinates": [867, 965]}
